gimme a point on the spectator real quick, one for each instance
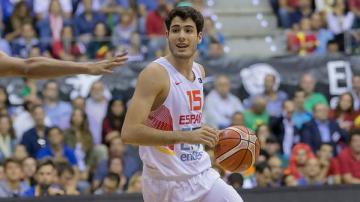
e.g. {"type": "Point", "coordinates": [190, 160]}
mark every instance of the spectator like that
{"type": "Point", "coordinates": [322, 130]}
{"type": "Point", "coordinates": [235, 180]}
{"type": "Point", "coordinates": [7, 138]}
{"type": "Point", "coordinates": [41, 8]}
{"type": "Point", "coordinates": [85, 23]}
{"type": "Point", "coordinates": [300, 115]}
{"type": "Point", "coordinates": [221, 104]}
{"type": "Point", "coordinates": [344, 113]}
{"type": "Point", "coordinates": [136, 50]}
{"type": "Point", "coordinates": [29, 169]}
{"type": "Point", "coordinates": [303, 10]}
{"type": "Point", "coordinates": [323, 35]}
{"type": "Point", "coordinates": [354, 7]}
{"type": "Point", "coordinates": [124, 29]}
{"type": "Point", "coordinates": [58, 111]}
{"type": "Point", "coordinates": [349, 160]}
{"type": "Point", "coordinates": [27, 40]}
{"type": "Point", "coordinates": [13, 185]}
{"type": "Point", "coordinates": [312, 98]}
{"type": "Point", "coordinates": [263, 175]}
{"type": "Point", "coordinates": [56, 148]}
{"type": "Point", "coordinates": [263, 132]}
{"type": "Point", "coordinates": [67, 179]}
{"type": "Point", "coordinates": [209, 33]}
{"type": "Point", "coordinates": [271, 148]}
{"type": "Point", "coordinates": [113, 9]}
{"type": "Point", "coordinates": [237, 119]}
{"type": "Point", "coordinates": [36, 138]}
{"type": "Point", "coordinates": [290, 181]}
{"type": "Point", "coordinates": [100, 43]}
{"type": "Point", "coordinates": [20, 153]}
{"type": "Point", "coordinates": [67, 48]}
{"type": "Point", "coordinates": [355, 91]}
{"type": "Point", "coordinates": [329, 165]}
{"type": "Point", "coordinates": [274, 98]}
{"type": "Point", "coordinates": [215, 51]}
{"type": "Point", "coordinates": [299, 155]}
{"type": "Point", "coordinates": [45, 177]}
{"type": "Point", "coordinates": [78, 103]}
{"type": "Point", "coordinates": [95, 109]}
{"type": "Point", "coordinates": [306, 41]}
{"type": "Point", "coordinates": [116, 166]}
{"type": "Point", "coordinates": [311, 173]}
{"type": "Point", "coordinates": [5, 106]}
{"type": "Point", "coordinates": [130, 158]}
{"type": "Point", "coordinates": [284, 128]}
{"type": "Point", "coordinates": [257, 114]}
{"type": "Point", "coordinates": [340, 19]}
{"type": "Point", "coordinates": [155, 30]}
{"type": "Point", "coordinates": [276, 170]}
{"type": "Point", "coordinates": [135, 184]}
{"type": "Point", "coordinates": [324, 6]}
{"type": "Point", "coordinates": [20, 16]}
{"type": "Point", "coordinates": [114, 118]}
{"type": "Point", "coordinates": [79, 138]}
{"type": "Point", "coordinates": [109, 185]}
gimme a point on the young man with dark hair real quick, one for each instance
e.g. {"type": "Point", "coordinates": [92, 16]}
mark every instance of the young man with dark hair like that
{"type": "Point", "coordinates": [45, 177]}
{"type": "Point", "coordinates": [164, 118]}
{"type": "Point", "coordinates": [12, 186]}
{"type": "Point", "coordinates": [109, 185]}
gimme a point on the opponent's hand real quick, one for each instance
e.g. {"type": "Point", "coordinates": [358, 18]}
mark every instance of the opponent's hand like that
{"type": "Point", "coordinates": [204, 135]}
{"type": "Point", "coordinates": [107, 66]}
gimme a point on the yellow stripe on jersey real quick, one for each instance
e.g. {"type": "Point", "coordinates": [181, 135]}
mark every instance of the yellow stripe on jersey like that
{"type": "Point", "coordinates": [165, 150]}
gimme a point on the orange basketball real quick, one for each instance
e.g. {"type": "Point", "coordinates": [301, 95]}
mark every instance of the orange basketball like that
{"type": "Point", "coordinates": [238, 149]}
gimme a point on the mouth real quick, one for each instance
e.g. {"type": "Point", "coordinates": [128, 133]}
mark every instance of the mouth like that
{"type": "Point", "coordinates": [182, 45]}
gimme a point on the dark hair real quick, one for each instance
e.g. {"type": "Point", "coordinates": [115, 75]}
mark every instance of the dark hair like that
{"type": "Point", "coordinates": [235, 178]}
{"type": "Point", "coordinates": [11, 129]}
{"type": "Point", "coordinates": [55, 128]}
{"type": "Point", "coordinates": [7, 101]}
{"type": "Point", "coordinates": [33, 108]}
{"type": "Point", "coordinates": [185, 12]}
{"type": "Point", "coordinates": [338, 110]}
{"type": "Point", "coordinates": [113, 177]}
{"type": "Point", "coordinates": [116, 122]}
{"type": "Point", "coordinates": [354, 132]}
{"type": "Point", "coordinates": [45, 162]}
{"type": "Point", "coordinates": [11, 160]}
{"type": "Point", "coordinates": [261, 166]}
{"type": "Point", "coordinates": [64, 167]}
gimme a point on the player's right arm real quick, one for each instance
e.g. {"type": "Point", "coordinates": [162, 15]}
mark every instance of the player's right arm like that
{"type": "Point", "coordinates": [151, 83]}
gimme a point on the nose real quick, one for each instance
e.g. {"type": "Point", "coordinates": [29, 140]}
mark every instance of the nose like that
{"type": "Point", "coordinates": [182, 35]}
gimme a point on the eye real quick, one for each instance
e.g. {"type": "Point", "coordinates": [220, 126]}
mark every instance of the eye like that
{"type": "Point", "coordinates": [189, 30]}
{"type": "Point", "coordinates": [175, 30]}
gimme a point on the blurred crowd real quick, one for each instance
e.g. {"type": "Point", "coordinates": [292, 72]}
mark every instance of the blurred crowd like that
{"type": "Point", "coordinates": [304, 140]}
{"type": "Point", "coordinates": [83, 30]}
{"type": "Point", "coordinates": [320, 26]}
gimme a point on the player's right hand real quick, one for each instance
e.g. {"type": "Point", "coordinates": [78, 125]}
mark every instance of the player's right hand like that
{"type": "Point", "coordinates": [204, 135]}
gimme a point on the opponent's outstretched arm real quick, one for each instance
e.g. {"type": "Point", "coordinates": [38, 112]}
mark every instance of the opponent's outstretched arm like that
{"type": "Point", "coordinates": [150, 84]}
{"type": "Point", "coordinates": [42, 67]}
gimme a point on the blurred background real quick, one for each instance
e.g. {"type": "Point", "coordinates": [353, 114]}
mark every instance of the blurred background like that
{"type": "Point", "coordinates": [287, 69]}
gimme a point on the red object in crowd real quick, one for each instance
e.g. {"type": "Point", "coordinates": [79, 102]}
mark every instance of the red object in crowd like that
{"type": "Point", "coordinates": [348, 164]}
{"type": "Point", "coordinates": [155, 24]}
{"type": "Point", "coordinates": [57, 48]}
{"type": "Point", "coordinates": [293, 166]}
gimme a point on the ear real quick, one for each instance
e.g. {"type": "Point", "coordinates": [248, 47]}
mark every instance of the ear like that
{"type": "Point", "coordinates": [199, 37]}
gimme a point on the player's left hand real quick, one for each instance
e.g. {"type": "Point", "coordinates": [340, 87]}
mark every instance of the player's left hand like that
{"type": "Point", "coordinates": [107, 66]}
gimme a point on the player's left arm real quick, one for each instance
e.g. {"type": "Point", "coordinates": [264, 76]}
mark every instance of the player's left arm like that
{"type": "Point", "coordinates": [42, 67]}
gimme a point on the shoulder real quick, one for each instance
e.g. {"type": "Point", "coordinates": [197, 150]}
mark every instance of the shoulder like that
{"type": "Point", "coordinates": [151, 73]}
{"type": "Point", "coordinates": [344, 154]}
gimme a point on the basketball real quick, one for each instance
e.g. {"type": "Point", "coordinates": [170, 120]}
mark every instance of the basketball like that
{"type": "Point", "coordinates": [237, 149]}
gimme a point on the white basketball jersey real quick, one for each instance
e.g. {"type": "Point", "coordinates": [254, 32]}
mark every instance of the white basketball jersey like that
{"type": "Point", "coordinates": [182, 110]}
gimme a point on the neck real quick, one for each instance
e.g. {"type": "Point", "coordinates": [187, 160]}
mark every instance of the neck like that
{"type": "Point", "coordinates": [13, 184]}
{"type": "Point", "coordinates": [50, 102]}
{"type": "Point", "coordinates": [56, 148]}
{"type": "Point", "coordinates": [184, 66]}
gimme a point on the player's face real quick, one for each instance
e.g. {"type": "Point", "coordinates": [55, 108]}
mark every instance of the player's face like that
{"type": "Point", "coordinates": [183, 38]}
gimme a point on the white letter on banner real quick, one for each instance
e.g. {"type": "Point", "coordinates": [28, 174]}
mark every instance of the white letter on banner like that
{"type": "Point", "coordinates": [335, 76]}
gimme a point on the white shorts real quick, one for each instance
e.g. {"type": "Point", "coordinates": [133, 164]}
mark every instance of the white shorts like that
{"type": "Point", "coordinates": [205, 187]}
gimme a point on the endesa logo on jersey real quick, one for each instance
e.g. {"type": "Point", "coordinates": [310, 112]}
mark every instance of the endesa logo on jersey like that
{"type": "Point", "coordinates": [190, 119]}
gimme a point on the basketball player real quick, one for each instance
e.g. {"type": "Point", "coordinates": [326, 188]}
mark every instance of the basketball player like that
{"type": "Point", "coordinates": [164, 118]}
{"type": "Point", "coordinates": [42, 67]}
